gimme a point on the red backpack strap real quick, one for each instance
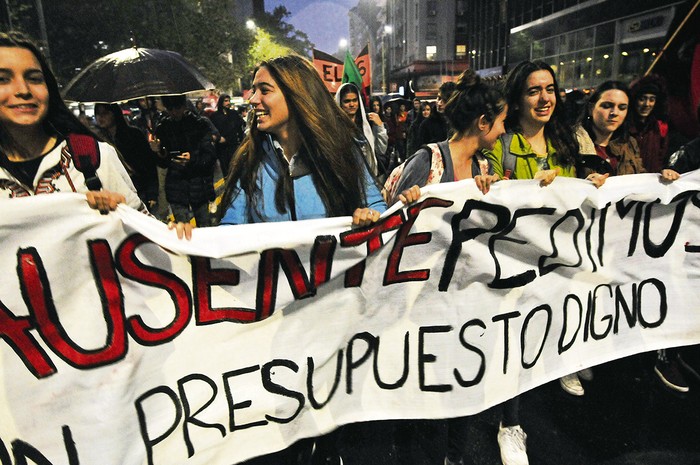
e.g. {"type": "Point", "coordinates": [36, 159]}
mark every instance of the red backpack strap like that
{"type": "Point", "coordinates": [86, 158]}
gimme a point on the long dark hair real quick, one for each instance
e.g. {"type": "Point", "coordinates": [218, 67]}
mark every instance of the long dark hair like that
{"type": "Point", "coordinates": [621, 133]}
{"type": "Point", "coordinates": [116, 111]}
{"type": "Point", "coordinates": [650, 84]}
{"type": "Point", "coordinates": [329, 144]}
{"type": "Point", "coordinates": [556, 130]}
{"type": "Point", "coordinates": [470, 100]}
{"type": "Point", "coordinates": [373, 99]}
{"type": "Point", "coordinates": [59, 119]}
{"type": "Point", "coordinates": [352, 88]}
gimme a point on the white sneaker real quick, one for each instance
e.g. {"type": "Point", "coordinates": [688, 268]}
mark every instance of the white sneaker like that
{"type": "Point", "coordinates": [571, 384]}
{"type": "Point", "coordinates": [511, 441]}
{"type": "Point", "coordinates": [586, 374]}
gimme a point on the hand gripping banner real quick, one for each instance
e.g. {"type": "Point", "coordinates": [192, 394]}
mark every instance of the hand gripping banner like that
{"type": "Point", "coordinates": [120, 344]}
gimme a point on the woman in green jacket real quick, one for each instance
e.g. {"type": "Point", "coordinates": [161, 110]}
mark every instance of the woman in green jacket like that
{"type": "Point", "coordinates": [538, 145]}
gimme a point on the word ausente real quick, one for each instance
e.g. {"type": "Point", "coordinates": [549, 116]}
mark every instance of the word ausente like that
{"type": "Point", "coordinates": [118, 346]}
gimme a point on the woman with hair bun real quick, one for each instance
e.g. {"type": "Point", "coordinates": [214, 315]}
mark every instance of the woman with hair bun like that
{"type": "Point", "coordinates": [476, 113]}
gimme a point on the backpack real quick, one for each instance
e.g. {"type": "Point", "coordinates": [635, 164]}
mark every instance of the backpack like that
{"type": "Point", "coordinates": [508, 159]}
{"type": "Point", "coordinates": [86, 158]}
{"type": "Point", "coordinates": [437, 168]}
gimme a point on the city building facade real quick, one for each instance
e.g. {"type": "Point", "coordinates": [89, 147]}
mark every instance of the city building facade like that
{"type": "Point", "coordinates": [585, 41]}
{"type": "Point", "coordinates": [426, 44]}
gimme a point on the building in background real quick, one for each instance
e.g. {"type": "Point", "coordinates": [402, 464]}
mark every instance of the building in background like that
{"type": "Point", "coordinates": [426, 45]}
{"type": "Point", "coordinates": [248, 9]}
{"type": "Point", "coordinates": [585, 41]}
{"type": "Point", "coordinates": [367, 21]}
{"type": "Point", "coordinates": [428, 42]}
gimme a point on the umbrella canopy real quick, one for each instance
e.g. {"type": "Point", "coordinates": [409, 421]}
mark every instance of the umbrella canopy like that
{"type": "Point", "coordinates": [134, 73]}
{"type": "Point", "coordinates": [395, 99]}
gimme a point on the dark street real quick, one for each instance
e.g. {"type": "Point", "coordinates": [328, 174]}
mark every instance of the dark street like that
{"type": "Point", "coordinates": [626, 417]}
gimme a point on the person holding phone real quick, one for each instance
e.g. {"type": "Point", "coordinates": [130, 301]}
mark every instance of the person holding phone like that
{"type": "Point", "coordinates": [185, 147]}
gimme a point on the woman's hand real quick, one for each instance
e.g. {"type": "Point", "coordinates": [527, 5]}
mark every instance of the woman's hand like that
{"type": "Point", "coordinates": [546, 177]}
{"type": "Point", "coordinates": [182, 229]}
{"type": "Point", "coordinates": [410, 195]}
{"type": "Point", "coordinates": [484, 181]}
{"type": "Point", "coordinates": [364, 216]}
{"type": "Point", "coordinates": [597, 179]}
{"type": "Point", "coordinates": [104, 201]}
{"type": "Point", "coordinates": [669, 175]}
{"type": "Point", "coordinates": [374, 118]}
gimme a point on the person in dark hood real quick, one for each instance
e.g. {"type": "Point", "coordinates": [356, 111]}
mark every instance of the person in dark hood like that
{"type": "Point", "coordinates": [133, 147]}
{"type": "Point", "coordinates": [648, 123]}
{"type": "Point", "coordinates": [231, 127]}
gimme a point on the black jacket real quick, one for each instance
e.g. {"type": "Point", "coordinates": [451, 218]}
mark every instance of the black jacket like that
{"type": "Point", "coordinates": [192, 184]}
{"type": "Point", "coordinates": [231, 127]}
{"type": "Point", "coordinates": [432, 129]}
{"type": "Point", "coordinates": [686, 158]}
{"type": "Point", "coordinates": [141, 162]}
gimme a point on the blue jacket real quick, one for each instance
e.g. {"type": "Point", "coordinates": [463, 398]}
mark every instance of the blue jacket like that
{"type": "Point", "coordinates": [307, 203]}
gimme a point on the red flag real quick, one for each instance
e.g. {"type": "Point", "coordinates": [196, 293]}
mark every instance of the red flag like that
{"type": "Point", "coordinates": [365, 66]}
{"type": "Point", "coordinates": [329, 68]}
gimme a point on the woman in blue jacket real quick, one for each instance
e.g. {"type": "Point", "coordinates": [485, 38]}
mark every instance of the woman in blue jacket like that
{"type": "Point", "coordinates": [301, 158]}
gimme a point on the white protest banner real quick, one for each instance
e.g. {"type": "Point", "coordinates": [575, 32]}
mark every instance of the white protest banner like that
{"type": "Point", "coordinates": [120, 344]}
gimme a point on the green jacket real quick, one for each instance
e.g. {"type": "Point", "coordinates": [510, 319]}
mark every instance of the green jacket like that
{"type": "Point", "coordinates": [525, 158]}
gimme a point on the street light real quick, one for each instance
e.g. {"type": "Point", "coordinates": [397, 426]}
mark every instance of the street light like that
{"type": "Point", "coordinates": [343, 43]}
{"type": "Point", "coordinates": [250, 24]}
{"type": "Point", "coordinates": [387, 30]}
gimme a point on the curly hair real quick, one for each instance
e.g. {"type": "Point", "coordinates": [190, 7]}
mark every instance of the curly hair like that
{"type": "Point", "coordinates": [556, 130]}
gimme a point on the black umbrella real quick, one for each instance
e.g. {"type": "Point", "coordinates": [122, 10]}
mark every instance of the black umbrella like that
{"type": "Point", "coordinates": [134, 73]}
{"type": "Point", "coordinates": [395, 99]}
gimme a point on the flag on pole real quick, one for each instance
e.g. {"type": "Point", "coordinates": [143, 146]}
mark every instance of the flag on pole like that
{"type": "Point", "coordinates": [364, 65]}
{"type": "Point", "coordinates": [351, 73]}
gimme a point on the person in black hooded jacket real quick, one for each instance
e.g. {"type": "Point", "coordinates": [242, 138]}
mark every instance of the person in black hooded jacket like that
{"type": "Point", "coordinates": [231, 127]}
{"type": "Point", "coordinates": [133, 146]}
{"type": "Point", "coordinates": [185, 146]}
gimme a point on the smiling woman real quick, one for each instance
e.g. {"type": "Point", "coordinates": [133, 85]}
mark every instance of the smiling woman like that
{"type": "Point", "coordinates": [34, 127]}
{"type": "Point", "coordinates": [301, 158]}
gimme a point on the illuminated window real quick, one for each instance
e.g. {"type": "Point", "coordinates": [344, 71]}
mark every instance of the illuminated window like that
{"type": "Point", "coordinates": [460, 52]}
{"type": "Point", "coordinates": [430, 52]}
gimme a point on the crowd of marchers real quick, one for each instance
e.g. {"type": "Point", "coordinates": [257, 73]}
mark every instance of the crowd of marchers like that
{"type": "Point", "coordinates": [299, 154]}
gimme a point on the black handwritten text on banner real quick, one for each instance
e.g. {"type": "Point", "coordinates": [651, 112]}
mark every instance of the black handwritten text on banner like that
{"type": "Point", "coordinates": [120, 344]}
